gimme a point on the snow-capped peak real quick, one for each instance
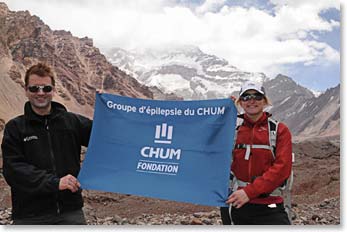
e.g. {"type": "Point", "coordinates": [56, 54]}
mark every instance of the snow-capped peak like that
{"type": "Point", "coordinates": [184, 70]}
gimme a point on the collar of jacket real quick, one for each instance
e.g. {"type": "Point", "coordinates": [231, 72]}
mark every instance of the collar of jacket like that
{"type": "Point", "coordinates": [261, 120]}
{"type": "Point", "coordinates": [56, 110]}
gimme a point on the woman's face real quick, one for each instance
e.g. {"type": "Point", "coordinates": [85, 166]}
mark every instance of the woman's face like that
{"type": "Point", "coordinates": [253, 107]}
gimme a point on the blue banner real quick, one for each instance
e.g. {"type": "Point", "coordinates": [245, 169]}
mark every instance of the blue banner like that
{"type": "Point", "coordinates": [173, 150]}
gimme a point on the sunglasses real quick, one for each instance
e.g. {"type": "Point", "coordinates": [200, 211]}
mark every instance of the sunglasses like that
{"type": "Point", "coordinates": [43, 88]}
{"type": "Point", "coordinates": [256, 96]}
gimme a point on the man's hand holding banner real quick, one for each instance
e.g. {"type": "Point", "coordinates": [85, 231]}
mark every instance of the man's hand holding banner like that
{"type": "Point", "coordinates": [173, 150]}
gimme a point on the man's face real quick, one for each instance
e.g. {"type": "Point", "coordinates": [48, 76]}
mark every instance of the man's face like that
{"type": "Point", "coordinates": [40, 98]}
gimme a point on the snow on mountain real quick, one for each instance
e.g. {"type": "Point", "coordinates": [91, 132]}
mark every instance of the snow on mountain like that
{"type": "Point", "coordinates": [316, 93]}
{"type": "Point", "coordinates": [189, 73]}
{"type": "Point", "coordinates": [185, 71]}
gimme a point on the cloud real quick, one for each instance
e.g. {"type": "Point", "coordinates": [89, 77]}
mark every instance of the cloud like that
{"type": "Point", "coordinates": [250, 38]}
{"type": "Point", "coordinates": [318, 5]}
{"type": "Point", "coordinates": [210, 6]}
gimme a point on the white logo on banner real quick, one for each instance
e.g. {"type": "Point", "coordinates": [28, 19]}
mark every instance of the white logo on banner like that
{"type": "Point", "coordinates": [163, 135]}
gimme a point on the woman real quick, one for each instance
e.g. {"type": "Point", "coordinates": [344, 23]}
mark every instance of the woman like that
{"type": "Point", "coordinates": [258, 168]}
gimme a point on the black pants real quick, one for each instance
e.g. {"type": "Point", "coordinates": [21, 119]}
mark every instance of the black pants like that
{"type": "Point", "coordinates": [224, 213]}
{"type": "Point", "coordinates": [256, 214]}
{"type": "Point", "coordinates": [67, 218]}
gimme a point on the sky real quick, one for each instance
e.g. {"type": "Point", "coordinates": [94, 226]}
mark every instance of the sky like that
{"type": "Point", "coordinates": [297, 38]}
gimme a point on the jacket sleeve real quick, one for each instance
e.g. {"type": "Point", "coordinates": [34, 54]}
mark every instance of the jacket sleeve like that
{"type": "Point", "coordinates": [280, 170]}
{"type": "Point", "coordinates": [85, 128]}
{"type": "Point", "coordinates": [20, 174]}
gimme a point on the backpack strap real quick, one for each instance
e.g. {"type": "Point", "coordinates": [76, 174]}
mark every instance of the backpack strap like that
{"type": "Point", "coordinates": [273, 126]}
{"type": "Point", "coordinates": [239, 122]}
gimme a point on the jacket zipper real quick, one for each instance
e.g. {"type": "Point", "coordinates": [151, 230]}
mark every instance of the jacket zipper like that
{"type": "Point", "coordinates": [52, 158]}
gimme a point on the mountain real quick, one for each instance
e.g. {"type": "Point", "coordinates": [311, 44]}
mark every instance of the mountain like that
{"type": "Point", "coordinates": [305, 114]}
{"type": "Point", "coordinates": [319, 116]}
{"type": "Point", "coordinates": [79, 66]}
{"type": "Point", "coordinates": [287, 97]}
{"type": "Point", "coordinates": [184, 70]}
{"type": "Point", "coordinates": [192, 74]}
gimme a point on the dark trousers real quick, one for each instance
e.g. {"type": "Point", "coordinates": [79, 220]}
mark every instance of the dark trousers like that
{"type": "Point", "coordinates": [224, 213]}
{"type": "Point", "coordinates": [67, 218]}
{"type": "Point", "coordinates": [257, 214]}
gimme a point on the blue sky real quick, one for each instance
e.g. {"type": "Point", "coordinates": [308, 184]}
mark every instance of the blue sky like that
{"type": "Point", "coordinates": [317, 76]}
{"type": "Point", "coordinates": [297, 38]}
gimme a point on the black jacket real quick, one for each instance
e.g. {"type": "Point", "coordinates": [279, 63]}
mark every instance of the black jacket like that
{"type": "Point", "coordinates": [37, 152]}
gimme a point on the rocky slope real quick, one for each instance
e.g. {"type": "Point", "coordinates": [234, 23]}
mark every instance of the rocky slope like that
{"type": "Point", "coordinates": [307, 116]}
{"type": "Point", "coordinates": [80, 67]}
{"type": "Point", "coordinates": [319, 116]}
{"type": "Point", "coordinates": [315, 196]}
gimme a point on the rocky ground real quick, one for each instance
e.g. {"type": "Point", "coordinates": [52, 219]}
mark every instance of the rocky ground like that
{"type": "Point", "coordinates": [315, 196]}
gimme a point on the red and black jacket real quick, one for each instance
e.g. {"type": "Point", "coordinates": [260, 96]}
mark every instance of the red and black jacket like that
{"type": "Point", "coordinates": [262, 170]}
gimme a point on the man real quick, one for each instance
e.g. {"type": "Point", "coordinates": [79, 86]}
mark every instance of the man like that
{"type": "Point", "coordinates": [41, 156]}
